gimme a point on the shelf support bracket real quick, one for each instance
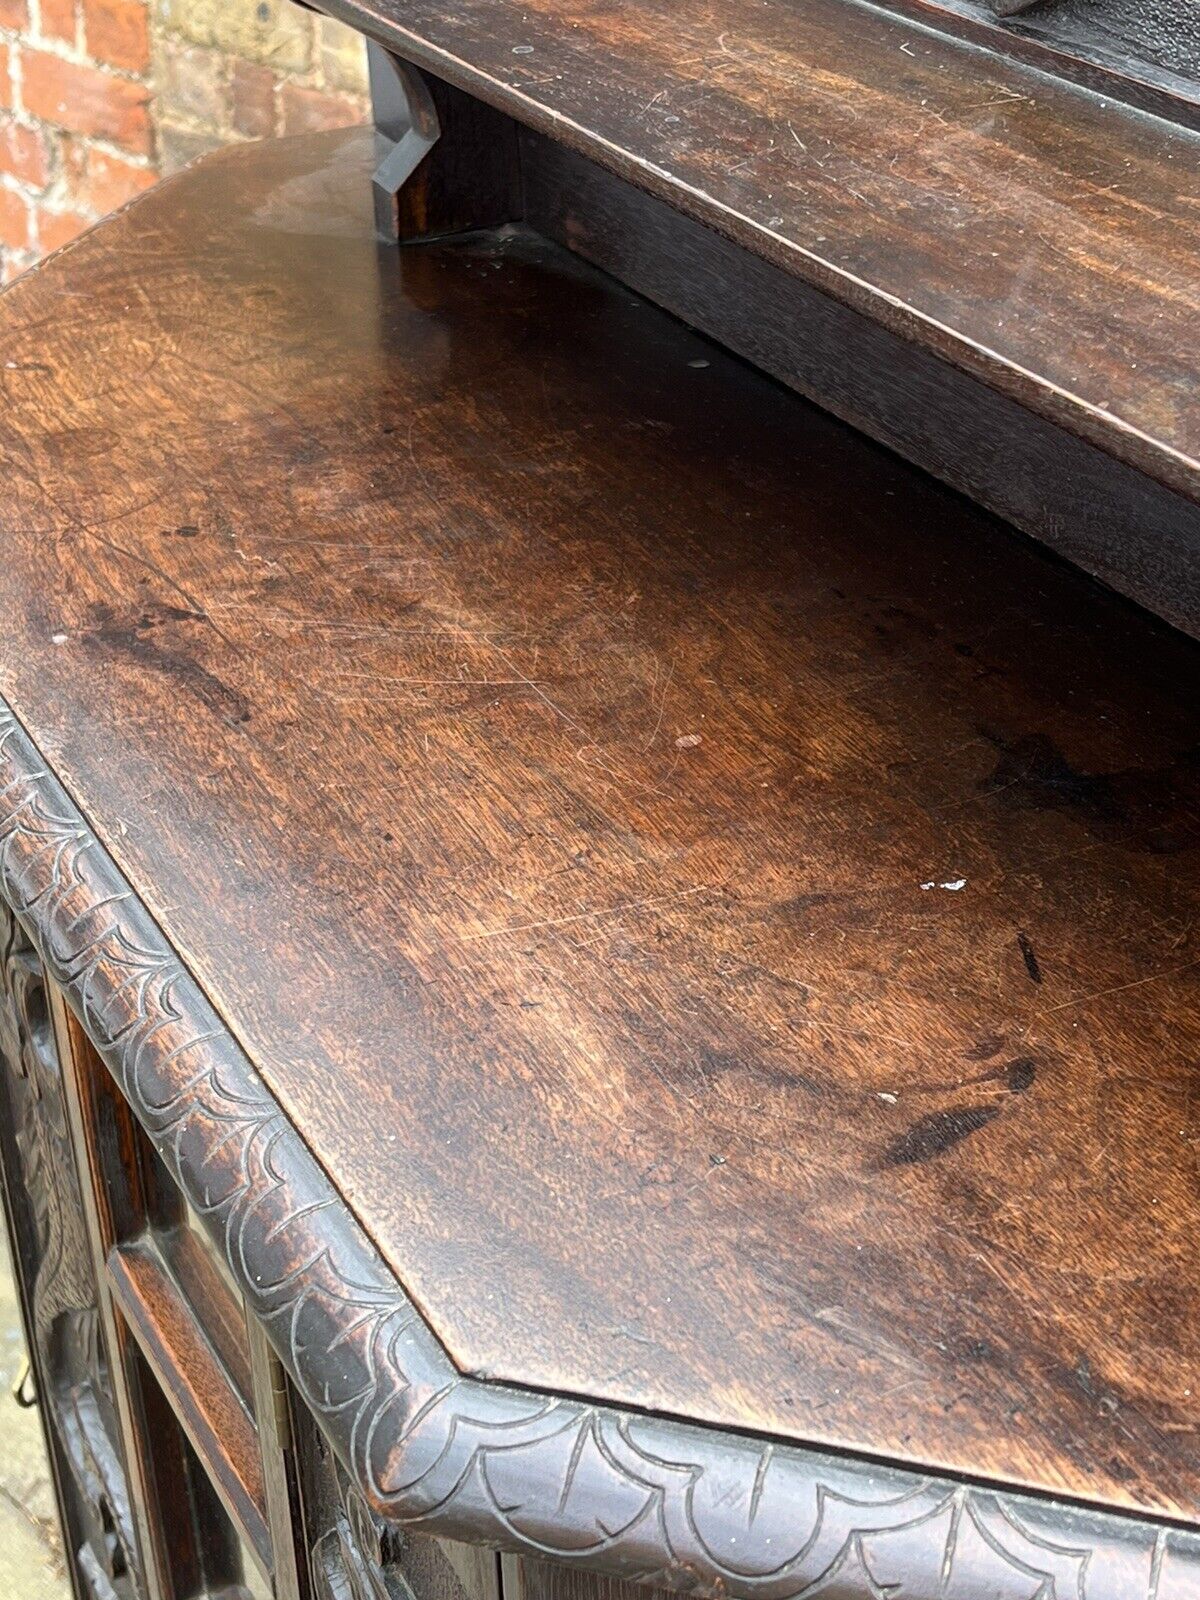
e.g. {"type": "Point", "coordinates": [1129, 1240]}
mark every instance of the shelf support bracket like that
{"type": "Point", "coordinates": [407, 121]}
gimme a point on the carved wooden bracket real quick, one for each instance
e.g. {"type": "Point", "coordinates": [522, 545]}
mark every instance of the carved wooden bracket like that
{"type": "Point", "coordinates": [407, 118]}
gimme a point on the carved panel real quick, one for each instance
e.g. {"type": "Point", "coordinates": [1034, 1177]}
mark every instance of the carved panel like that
{"type": "Point", "coordinates": [356, 1558]}
{"type": "Point", "coordinates": [54, 1262]}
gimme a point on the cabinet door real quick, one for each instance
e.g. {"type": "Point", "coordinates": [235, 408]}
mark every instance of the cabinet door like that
{"type": "Point", "coordinates": [57, 1283]}
{"type": "Point", "coordinates": [195, 1383]}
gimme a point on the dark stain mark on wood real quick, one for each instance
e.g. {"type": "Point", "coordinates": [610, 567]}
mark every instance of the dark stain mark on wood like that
{"type": "Point", "coordinates": [1033, 773]}
{"type": "Point", "coordinates": [990, 1045]}
{"type": "Point", "coordinates": [1141, 807]}
{"type": "Point", "coordinates": [1032, 966]}
{"type": "Point", "coordinates": [130, 636]}
{"type": "Point", "coordinates": [936, 1133]}
{"type": "Point", "coordinates": [1021, 1074]}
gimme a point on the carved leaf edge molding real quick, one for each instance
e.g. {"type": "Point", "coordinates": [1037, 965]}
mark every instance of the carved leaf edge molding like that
{"type": "Point", "coordinates": [639, 1497]}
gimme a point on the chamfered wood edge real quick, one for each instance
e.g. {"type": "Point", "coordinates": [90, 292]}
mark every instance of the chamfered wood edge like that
{"type": "Point", "coordinates": [382, 22]}
{"type": "Point", "coordinates": [1142, 83]}
{"type": "Point", "coordinates": [640, 1497]}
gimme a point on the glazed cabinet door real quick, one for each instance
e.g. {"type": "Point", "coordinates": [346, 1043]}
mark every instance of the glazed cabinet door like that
{"type": "Point", "coordinates": [69, 1354]}
{"type": "Point", "coordinates": [160, 1401]}
{"type": "Point", "coordinates": [200, 1386]}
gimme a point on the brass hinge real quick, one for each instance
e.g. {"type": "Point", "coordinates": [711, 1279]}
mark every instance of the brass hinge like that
{"type": "Point", "coordinates": [281, 1411]}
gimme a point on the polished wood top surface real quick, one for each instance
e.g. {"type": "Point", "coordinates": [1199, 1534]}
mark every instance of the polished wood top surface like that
{"type": "Point", "coordinates": [1036, 235]}
{"type": "Point", "coordinates": [723, 911]}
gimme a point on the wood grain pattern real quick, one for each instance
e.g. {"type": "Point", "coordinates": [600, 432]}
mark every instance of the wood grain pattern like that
{"type": "Point", "coordinates": [1147, 51]}
{"type": "Point", "coordinates": [188, 1258]}
{"type": "Point", "coordinates": [633, 1497]}
{"type": "Point", "coordinates": [570, 733]}
{"type": "Point", "coordinates": [1040, 237]}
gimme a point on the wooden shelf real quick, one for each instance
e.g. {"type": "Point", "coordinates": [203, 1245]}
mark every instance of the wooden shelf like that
{"type": "Point", "coordinates": [1030, 232]}
{"type": "Point", "coordinates": [1147, 55]}
{"type": "Point", "coordinates": [721, 910]}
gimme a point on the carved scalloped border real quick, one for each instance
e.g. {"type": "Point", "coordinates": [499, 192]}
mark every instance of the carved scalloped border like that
{"type": "Point", "coordinates": [636, 1496]}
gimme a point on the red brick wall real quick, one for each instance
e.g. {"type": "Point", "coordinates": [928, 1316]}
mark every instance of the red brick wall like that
{"type": "Point", "coordinates": [99, 97]}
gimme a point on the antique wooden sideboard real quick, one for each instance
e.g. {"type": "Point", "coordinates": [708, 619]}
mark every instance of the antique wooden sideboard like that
{"type": "Point", "coordinates": [600, 960]}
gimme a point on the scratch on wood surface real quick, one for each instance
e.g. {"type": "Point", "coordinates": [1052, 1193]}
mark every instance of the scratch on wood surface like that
{"type": "Point", "coordinates": [870, 1342]}
{"type": "Point", "coordinates": [1120, 988]}
{"type": "Point", "coordinates": [144, 561]}
{"type": "Point", "coordinates": [857, 1033]}
{"type": "Point", "coordinates": [376, 630]}
{"type": "Point", "coordinates": [662, 703]}
{"type": "Point", "coordinates": [430, 683]}
{"type": "Point", "coordinates": [540, 693]}
{"type": "Point", "coordinates": [583, 916]}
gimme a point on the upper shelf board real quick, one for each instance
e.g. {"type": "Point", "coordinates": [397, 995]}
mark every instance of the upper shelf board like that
{"type": "Point", "coordinates": [1029, 231]}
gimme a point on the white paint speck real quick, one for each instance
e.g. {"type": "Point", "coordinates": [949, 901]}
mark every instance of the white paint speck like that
{"type": "Point", "coordinates": [954, 885]}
